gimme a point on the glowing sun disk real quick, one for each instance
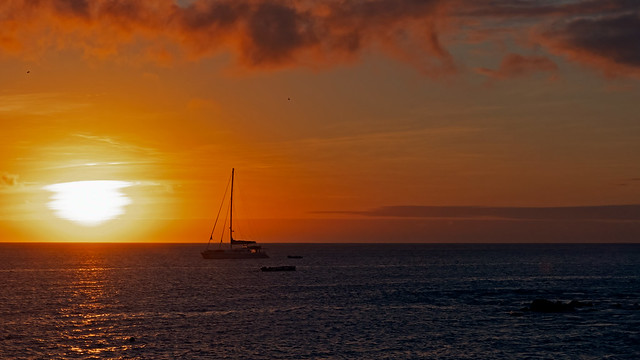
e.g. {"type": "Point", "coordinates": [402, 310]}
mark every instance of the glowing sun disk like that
{"type": "Point", "coordinates": [88, 203]}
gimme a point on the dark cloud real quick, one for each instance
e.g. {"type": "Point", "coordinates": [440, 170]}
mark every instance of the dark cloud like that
{"type": "Point", "coordinates": [260, 33]}
{"type": "Point", "coordinates": [610, 42]}
{"type": "Point", "coordinates": [610, 212]}
{"type": "Point", "coordinates": [74, 7]}
{"type": "Point", "coordinates": [217, 15]}
{"type": "Point", "coordinates": [276, 31]}
{"type": "Point", "coordinates": [268, 33]}
{"type": "Point", "coordinates": [536, 9]}
{"type": "Point", "coordinates": [123, 11]}
{"type": "Point", "coordinates": [600, 33]}
{"type": "Point", "coordinates": [280, 33]}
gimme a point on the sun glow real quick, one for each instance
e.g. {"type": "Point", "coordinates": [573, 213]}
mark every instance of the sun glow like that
{"type": "Point", "coordinates": [89, 203]}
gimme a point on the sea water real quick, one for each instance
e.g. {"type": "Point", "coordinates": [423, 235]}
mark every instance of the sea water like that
{"type": "Point", "coordinates": [346, 301]}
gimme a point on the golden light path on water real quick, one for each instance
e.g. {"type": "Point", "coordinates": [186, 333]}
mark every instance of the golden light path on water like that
{"type": "Point", "coordinates": [88, 203]}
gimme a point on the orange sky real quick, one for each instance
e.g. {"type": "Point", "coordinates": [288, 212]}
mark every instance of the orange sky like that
{"type": "Point", "coordinates": [328, 110]}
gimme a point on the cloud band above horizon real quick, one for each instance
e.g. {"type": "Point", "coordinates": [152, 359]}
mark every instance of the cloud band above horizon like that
{"type": "Point", "coordinates": [592, 213]}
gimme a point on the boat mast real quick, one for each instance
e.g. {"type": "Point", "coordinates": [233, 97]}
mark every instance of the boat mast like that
{"type": "Point", "coordinates": [231, 213]}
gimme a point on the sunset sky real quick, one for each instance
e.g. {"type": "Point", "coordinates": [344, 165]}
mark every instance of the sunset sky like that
{"type": "Point", "coordinates": [362, 120]}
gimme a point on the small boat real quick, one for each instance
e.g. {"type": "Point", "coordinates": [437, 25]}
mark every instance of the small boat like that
{"type": "Point", "coordinates": [245, 249]}
{"type": "Point", "coordinates": [278, 268]}
{"type": "Point", "coordinates": [294, 256]}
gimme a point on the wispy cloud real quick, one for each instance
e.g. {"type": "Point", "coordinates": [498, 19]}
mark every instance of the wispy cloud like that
{"type": "Point", "coordinates": [87, 156]}
{"type": "Point", "coordinates": [515, 65]}
{"type": "Point", "coordinates": [116, 144]}
{"type": "Point", "coordinates": [387, 137]}
{"type": "Point", "coordinates": [40, 103]}
{"type": "Point", "coordinates": [381, 144]}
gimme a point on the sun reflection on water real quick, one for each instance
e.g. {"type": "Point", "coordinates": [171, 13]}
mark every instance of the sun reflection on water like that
{"type": "Point", "coordinates": [89, 322]}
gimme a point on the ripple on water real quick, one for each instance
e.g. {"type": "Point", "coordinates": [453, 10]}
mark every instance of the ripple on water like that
{"type": "Point", "coordinates": [382, 302]}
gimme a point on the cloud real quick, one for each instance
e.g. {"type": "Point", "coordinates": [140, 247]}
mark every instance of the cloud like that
{"type": "Point", "coordinates": [599, 33]}
{"type": "Point", "coordinates": [9, 181]}
{"type": "Point", "coordinates": [279, 33]}
{"type": "Point", "coordinates": [41, 103]}
{"type": "Point", "coordinates": [607, 212]}
{"type": "Point", "coordinates": [536, 9]}
{"type": "Point", "coordinates": [115, 144]}
{"type": "Point", "coordinates": [268, 34]}
{"type": "Point", "coordinates": [515, 65]}
{"type": "Point", "coordinates": [260, 34]}
{"type": "Point", "coordinates": [609, 43]}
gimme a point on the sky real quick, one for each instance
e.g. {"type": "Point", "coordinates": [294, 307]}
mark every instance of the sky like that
{"type": "Point", "coordinates": [346, 121]}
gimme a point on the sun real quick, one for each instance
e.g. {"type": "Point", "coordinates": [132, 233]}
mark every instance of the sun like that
{"type": "Point", "coordinates": [89, 203]}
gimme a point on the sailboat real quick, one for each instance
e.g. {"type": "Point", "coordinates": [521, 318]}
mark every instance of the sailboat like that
{"type": "Point", "coordinates": [244, 249]}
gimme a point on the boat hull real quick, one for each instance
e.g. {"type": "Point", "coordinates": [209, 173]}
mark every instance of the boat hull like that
{"type": "Point", "coordinates": [278, 268]}
{"type": "Point", "coordinates": [233, 254]}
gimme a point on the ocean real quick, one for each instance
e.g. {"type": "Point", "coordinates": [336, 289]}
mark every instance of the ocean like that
{"type": "Point", "coordinates": [345, 301]}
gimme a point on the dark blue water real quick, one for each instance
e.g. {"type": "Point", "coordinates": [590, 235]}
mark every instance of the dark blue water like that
{"type": "Point", "coordinates": [137, 301]}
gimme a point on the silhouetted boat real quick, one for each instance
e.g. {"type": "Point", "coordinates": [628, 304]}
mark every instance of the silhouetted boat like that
{"type": "Point", "coordinates": [245, 249]}
{"type": "Point", "coordinates": [294, 256]}
{"type": "Point", "coordinates": [278, 268]}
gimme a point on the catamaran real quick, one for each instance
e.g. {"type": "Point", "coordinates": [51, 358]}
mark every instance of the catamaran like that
{"type": "Point", "coordinates": [244, 249]}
